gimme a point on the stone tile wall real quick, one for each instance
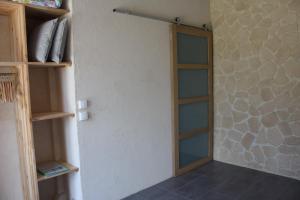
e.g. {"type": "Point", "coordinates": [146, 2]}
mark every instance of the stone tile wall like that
{"type": "Point", "coordinates": [257, 84]}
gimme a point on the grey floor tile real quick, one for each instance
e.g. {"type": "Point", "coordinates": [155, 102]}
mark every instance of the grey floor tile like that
{"type": "Point", "coordinates": [239, 183]}
{"type": "Point", "coordinates": [215, 196]}
{"type": "Point", "coordinates": [137, 196]}
{"type": "Point", "coordinates": [198, 188]}
{"type": "Point", "coordinates": [292, 190]}
{"type": "Point", "coordinates": [175, 183]}
{"type": "Point", "coordinates": [270, 187]}
{"type": "Point", "coordinates": [149, 193]}
{"type": "Point", "coordinates": [171, 196]}
{"type": "Point", "coordinates": [220, 181]}
{"type": "Point", "coordinates": [152, 193]}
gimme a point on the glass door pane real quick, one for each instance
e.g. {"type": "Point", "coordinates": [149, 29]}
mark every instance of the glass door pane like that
{"type": "Point", "coordinates": [193, 149]}
{"type": "Point", "coordinates": [193, 116]}
{"type": "Point", "coordinates": [192, 49]}
{"type": "Point", "coordinates": [192, 83]}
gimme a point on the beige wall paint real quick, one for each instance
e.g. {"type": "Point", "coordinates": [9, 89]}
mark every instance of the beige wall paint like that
{"type": "Point", "coordinates": [257, 84]}
{"type": "Point", "coordinates": [122, 66]}
{"type": "Point", "coordinates": [10, 176]}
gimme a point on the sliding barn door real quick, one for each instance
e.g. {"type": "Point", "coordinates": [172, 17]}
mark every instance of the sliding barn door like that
{"type": "Point", "coordinates": [193, 97]}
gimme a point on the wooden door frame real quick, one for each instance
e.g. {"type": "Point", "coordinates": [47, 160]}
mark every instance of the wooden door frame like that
{"type": "Point", "coordinates": [176, 102]}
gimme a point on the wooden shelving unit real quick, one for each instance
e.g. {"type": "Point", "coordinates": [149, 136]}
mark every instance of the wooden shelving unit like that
{"type": "Point", "coordinates": [42, 98]}
{"type": "Point", "coordinates": [71, 168]}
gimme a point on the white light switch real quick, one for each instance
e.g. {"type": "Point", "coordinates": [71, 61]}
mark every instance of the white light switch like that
{"type": "Point", "coordinates": [82, 104]}
{"type": "Point", "coordinates": [83, 116]}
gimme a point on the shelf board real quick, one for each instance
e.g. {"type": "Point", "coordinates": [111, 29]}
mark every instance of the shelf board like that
{"type": "Point", "coordinates": [10, 64]}
{"type": "Point", "coordinates": [41, 11]}
{"type": "Point", "coordinates": [48, 64]}
{"type": "Point", "coordinates": [71, 168]}
{"type": "Point", "coordinates": [37, 64]}
{"type": "Point", "coordinates": [50, 115]}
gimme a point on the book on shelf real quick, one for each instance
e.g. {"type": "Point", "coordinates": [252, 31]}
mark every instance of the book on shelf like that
{"type": "Point", "coordinates": [52, 169]}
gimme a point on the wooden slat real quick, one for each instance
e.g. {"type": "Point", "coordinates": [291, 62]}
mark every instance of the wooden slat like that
{"type": "Point", "coordinates": [50, 115]}
{"type": "Point", "coordinates": [211, 94]}
{"type": "Point", "coordinates": [48, 64]}
{"type": "Point", "coordinates": [193, 100]}
{"type": "Point", "coordinates": [40, 11]}
{"type": "Point", "coordinates": [192, 31]}
{"type": "Point", "coordinates": [25, 136]}
{"type": "Point", "coordinates": [185, 135]}
{"type": "Point", "coordinates": [175, 100]}
{"type": "Point", "coordinates": [192, 66]}
{"type": "Point", "coordinates": [71, 168]}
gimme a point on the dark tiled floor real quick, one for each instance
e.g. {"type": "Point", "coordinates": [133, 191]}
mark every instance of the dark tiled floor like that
{"type": "Point", "coordinates": [220, 181]}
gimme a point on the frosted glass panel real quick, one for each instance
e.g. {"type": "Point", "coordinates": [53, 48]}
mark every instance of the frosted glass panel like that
{"type": "Point", "coordinates": [193, 83]}
{"type": "Point", "coordinates": [193, 149]}
{"type": "Point", "coordinates": [193, 116]}
{"type": "Point", "coordinates": [192, 49]}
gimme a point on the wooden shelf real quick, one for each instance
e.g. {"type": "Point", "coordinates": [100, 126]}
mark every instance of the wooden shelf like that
{"type": "Point", "coordinates": [41, 11]}
{"type": "Point", "coordinates": [10, 64]}
{"type": "Point", "coordinates": [37, 64]}
{"type": "Point", "coordinates": [49, 64]}
{"type": "Point", "coordinates": [71, 168]}
{"type": "Point", "coordinates": [50, 115]}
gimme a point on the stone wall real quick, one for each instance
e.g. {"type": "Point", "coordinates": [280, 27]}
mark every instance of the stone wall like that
{"type": "Point", "coordinates": [257, 84]}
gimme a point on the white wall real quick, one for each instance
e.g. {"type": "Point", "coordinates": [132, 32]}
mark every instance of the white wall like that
{"type": "Point", "coordinates": [122, 66]}
{"type": "Point", "coordinates": [10, 176]}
